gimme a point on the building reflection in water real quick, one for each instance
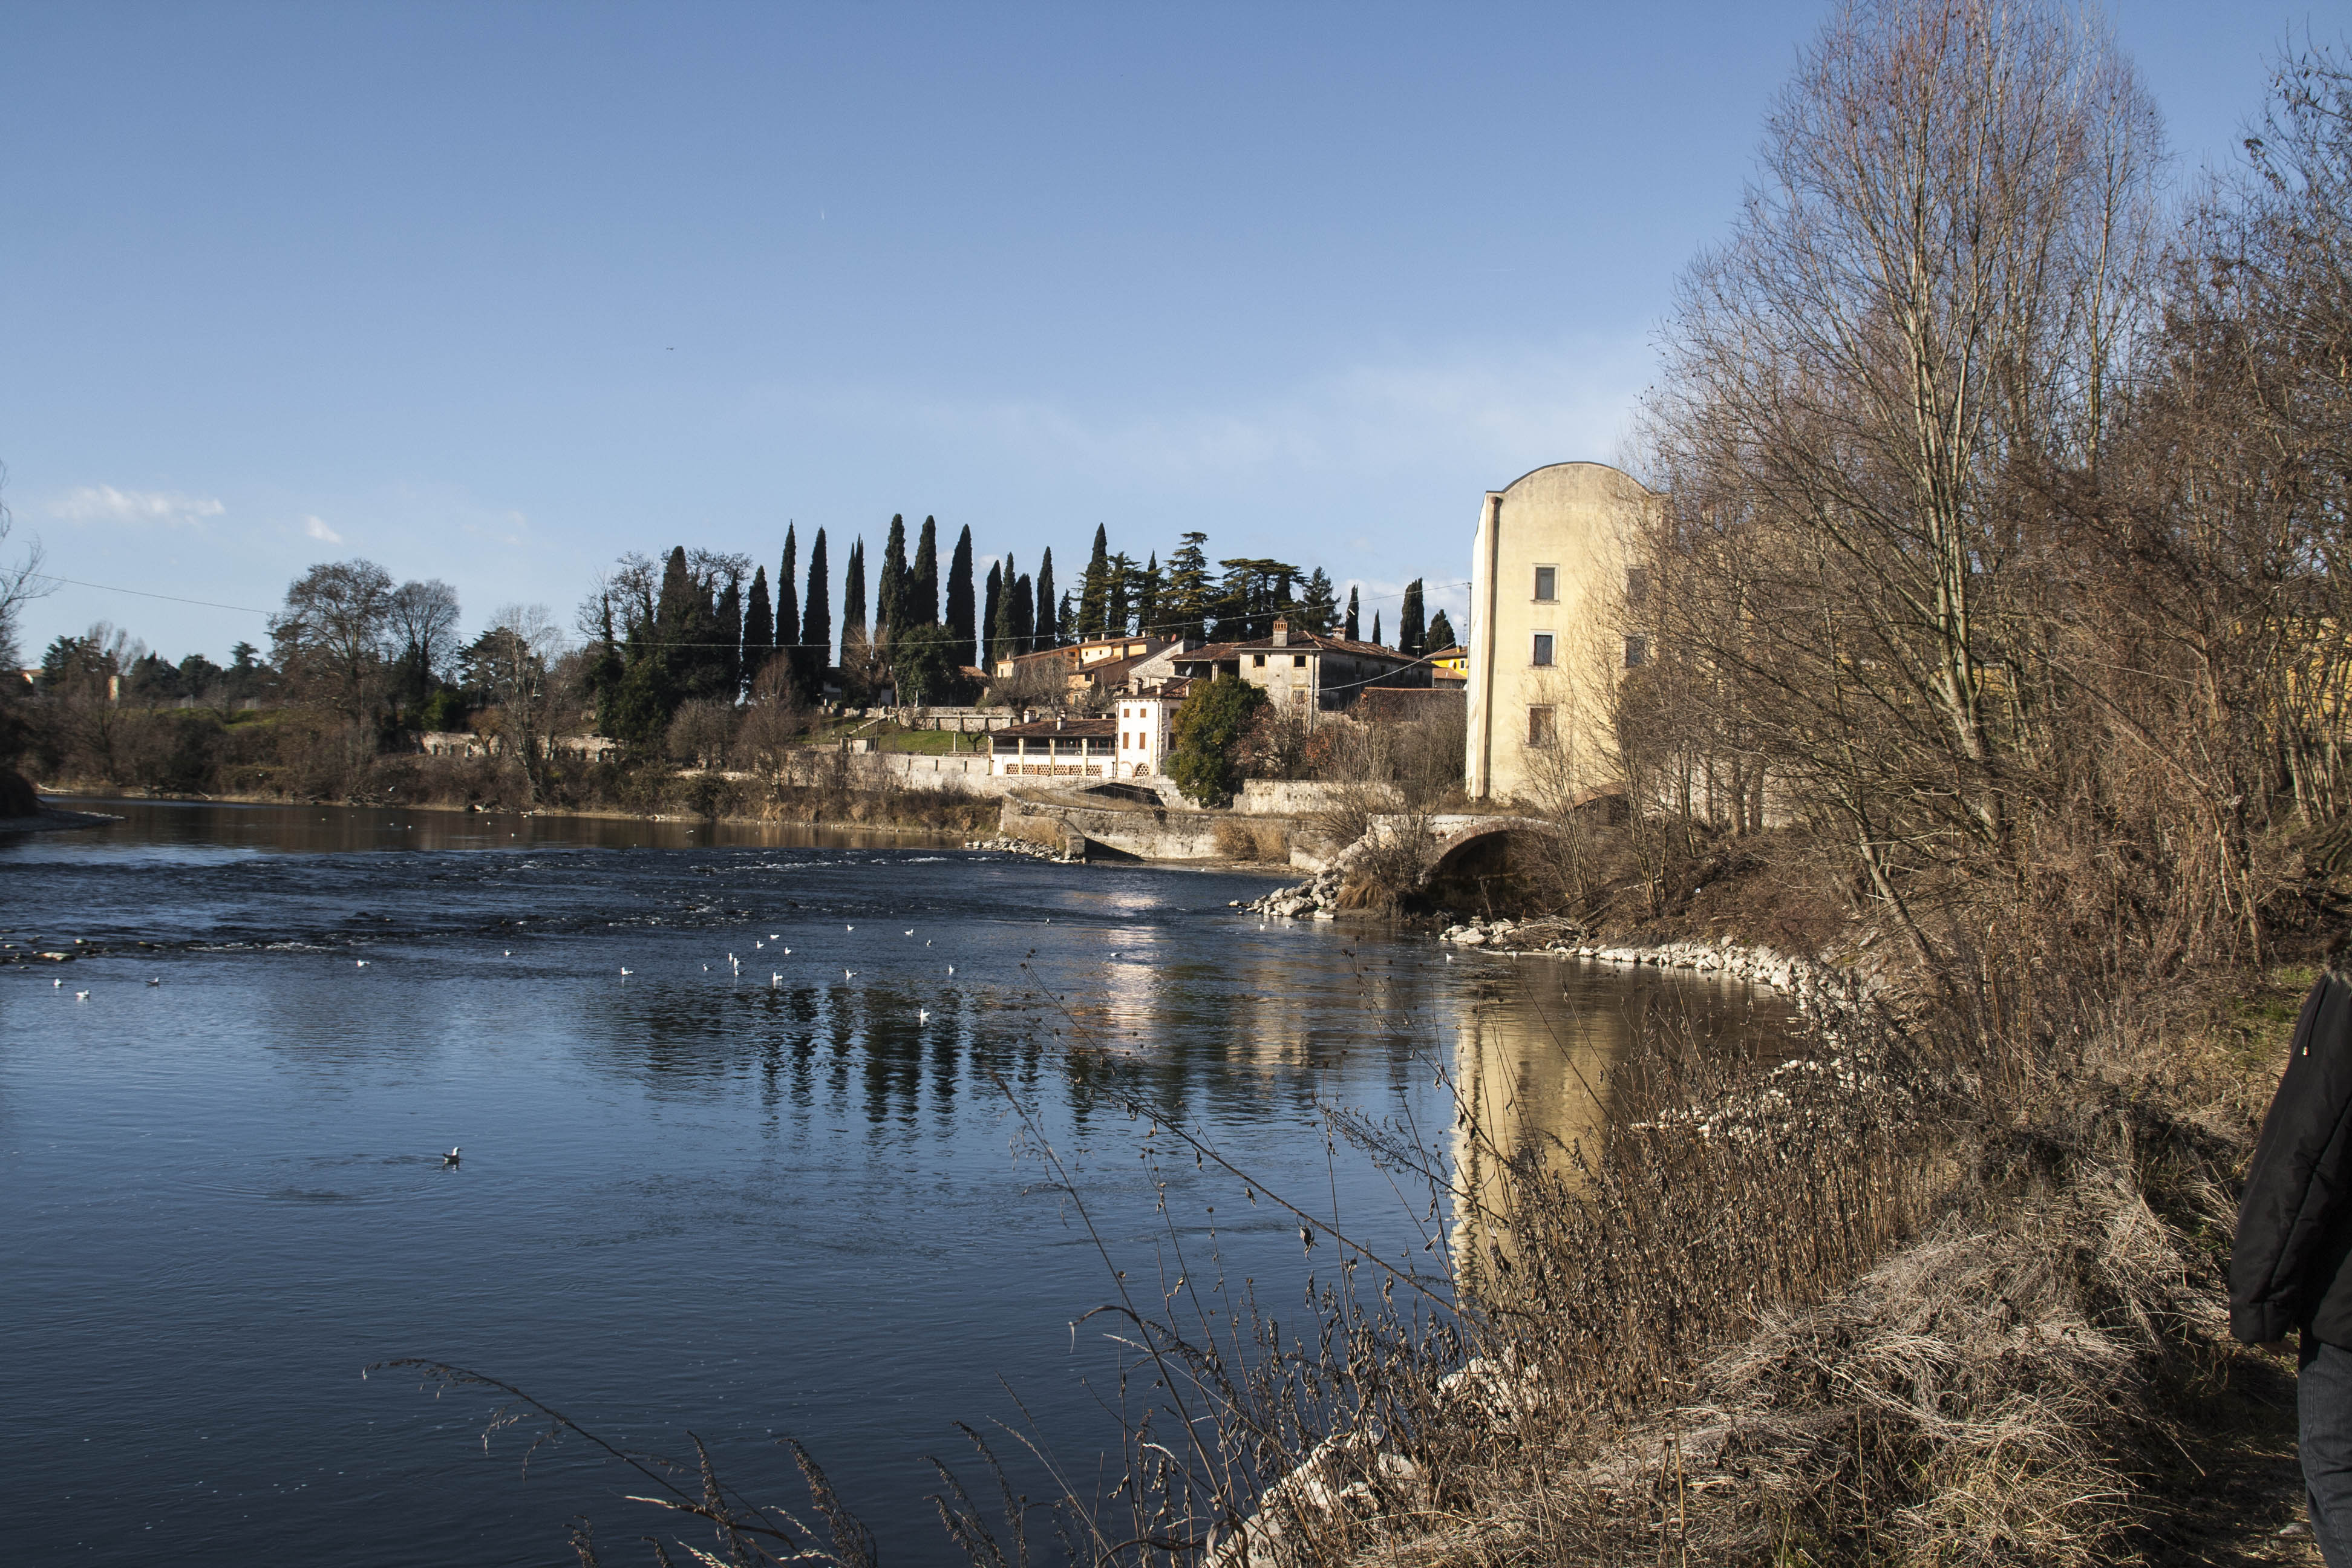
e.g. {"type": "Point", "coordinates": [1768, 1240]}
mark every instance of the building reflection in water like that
{"type": "Point", "coordinates": [1537, 1053]}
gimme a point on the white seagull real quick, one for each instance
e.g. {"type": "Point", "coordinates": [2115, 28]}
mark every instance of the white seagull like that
{"type": "Point", "coordinates": [81, 996]}
{"type": "Point", "coordinates": [361, 963]}
{"type": "Point", "coordinates": [849, 974]}
{"type": "Point", "coordinates": [849, 928]}
{"type": "Point", "coordinates": [158, 980]}
{"type": "Point", "coordinates": [775, 981]}
{"type": "Point", "coordinates": [950, 969]}
{"type": "Point", "coordinates": [625, 969]}
{"type": "Point", "coordinates": [910, 933]}
{"type": "Point", "coordinates": [922, 1016]}
{"type": "Point", "coordinates": [450, 1158]}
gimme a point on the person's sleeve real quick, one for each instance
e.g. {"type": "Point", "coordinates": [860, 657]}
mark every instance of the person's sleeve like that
{"type": "Point", "coordinates": [2295, 1188]}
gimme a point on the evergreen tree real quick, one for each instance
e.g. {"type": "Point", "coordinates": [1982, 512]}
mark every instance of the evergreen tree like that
{"type": "Point", "coordinates": [922, 592]}
{"type": "Point", "coordinates": [890, 586]}
{"type": "Point", "coordinates": [1441, 633]}
{"type": "Point", "coordinates": [815, 640]}
{"type": "Point", "coordinates": [1094, 590]}
{"type": "Point", "coordinates": [1021, 603]}
{"type": "Point", "coordinates": [961, 626]}
{"type": "Point", "coordinates": [1147, 597]}
{"type": "Point", "coordinates": [1354, 629]}
{"type": "Point", "coordinates": [759, 627]}
{"type": "Point", "coordinates": [1376, 629]}
{"type": "Point", "coordinates": [1008, 626]}
{"type": "Point", "coordinates": [1047, 625]}
{"type": "Point", "coordinates": [1413, 633]}
{"type": "Point", "coordinates": [729, 663]}
{"type": "Point", "coordinates": [673, 608]}
{"type": "Point", "coordinates": [1121, 580]}
{"type": "Point", "coordinates": [1316, 607]}
{"type": "Point", "coordinates": [853, 599]}
{"type": "Point", "coordinates": [1190, 592]}
{"type": "Point", "coordinates": [991, 618]}
{"type": "Point", "coordinates": [788, 614]}
{"type": "Point", "coordinates": [1204, 758]}
{"type": "Point", "coordinates": [1067, 619]}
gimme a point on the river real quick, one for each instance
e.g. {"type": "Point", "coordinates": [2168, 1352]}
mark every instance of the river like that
{"type": "Point", "coordinates": [779, 1195]}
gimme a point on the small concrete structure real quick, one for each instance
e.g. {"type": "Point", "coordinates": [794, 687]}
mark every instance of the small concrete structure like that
{"type": "Point", "coordinates": [1548, 592]}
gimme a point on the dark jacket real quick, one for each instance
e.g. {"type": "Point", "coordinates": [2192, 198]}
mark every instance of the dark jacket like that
{"type": "Point", "coordinates": [2292, 1267]}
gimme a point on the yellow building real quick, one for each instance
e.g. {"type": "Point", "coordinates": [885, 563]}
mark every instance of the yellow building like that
{"type": "Point", "coordinates": [1548, 645]}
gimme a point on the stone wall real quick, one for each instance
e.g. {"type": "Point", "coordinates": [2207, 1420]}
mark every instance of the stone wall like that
{"type": "Point", "coordinates": [1292, 797]}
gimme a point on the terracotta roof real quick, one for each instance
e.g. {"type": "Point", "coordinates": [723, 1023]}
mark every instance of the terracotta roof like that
{"type": "Point", "coordinates": [1069, 729]}
{"type": "Point", "coordinates": [1300, 642]}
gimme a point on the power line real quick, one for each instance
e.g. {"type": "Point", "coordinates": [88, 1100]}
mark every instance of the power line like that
{"type": "Point", "coordinates": [142, 593]}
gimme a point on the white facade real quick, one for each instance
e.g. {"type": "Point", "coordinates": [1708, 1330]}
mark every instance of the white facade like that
{"type": "Point", "coordinates": [1144, 723]}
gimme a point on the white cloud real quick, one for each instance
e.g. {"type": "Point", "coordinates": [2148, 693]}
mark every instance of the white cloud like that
{"type": "Point", "coordinates": [318, 530]}
{"type": "Point", "coordinates": [104, 503]}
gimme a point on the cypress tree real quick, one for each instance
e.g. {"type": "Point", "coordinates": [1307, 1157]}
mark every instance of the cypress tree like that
{"type": "Point", "coordinates": [1354, 632]}
{"type": "Point", "coordinates": [788, 612]}
{"type": "Point", "coordinates": [1413, 632]}
{"type": "Point", "coordinates": [1045, 624]}
{"type": "Point", "coordinates": [1376, 628]}
{"type": "Point", "coordinates": [815, 640]}
{"type": "Point", "coordinates": [853, 599]}
{"type": "Point", "coordinates": [727, 664]}
{"type": "Point", "coordinates": [1094, 590]}
{"type": "Point", "coordinates": [992, 615]}
{"type": "Point", "coordinates": [1147, 597]}
{"type": "Point", "coordinates": [1441, 633]}
{"type": "Point", "coordinates": [890, 586]}
{"type": "Point", "coordinates": [1008, 629]}
{"type": "Point", "coordinates": [674, 610]}
{"type": "Point", "coordinates": [1120, 582]}
{"type": "Point", "coordinates": [1066, 618]}
{"type": "Point", "coordinates": [759, 627]}
{"type": "Point", "coordinates": [923, 586]}
{"type": "Point", "coordinates": [1021, 603]}
{"type": "Point", "coordinates": [962, 626]}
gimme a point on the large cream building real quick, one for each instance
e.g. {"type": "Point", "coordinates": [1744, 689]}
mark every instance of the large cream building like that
{"type": "Point", "coordinates": [1548, 588]}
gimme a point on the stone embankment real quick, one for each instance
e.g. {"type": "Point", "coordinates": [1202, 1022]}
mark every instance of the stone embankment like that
{"type": "Point", "coordinates": [1814, 985]}
{"type": "Point", "coordinates": [1029, 847]}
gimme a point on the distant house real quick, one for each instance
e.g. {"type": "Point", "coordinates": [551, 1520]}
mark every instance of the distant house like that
{"type": "Point", "coordinates": [1056, 748]}
{"type": "Point", "coordinates": [1303, 671]}
{"type": "Point", "coordinates": [1147, 722]}
{"type": "Point", "coordinates": [1103, 664]}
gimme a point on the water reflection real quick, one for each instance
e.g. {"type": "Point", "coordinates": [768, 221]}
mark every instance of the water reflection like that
{"type": "Point", "coordinates": [1537, 1053]}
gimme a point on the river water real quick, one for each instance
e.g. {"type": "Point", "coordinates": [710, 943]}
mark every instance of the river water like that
{"type": "Point", "coordinates": [783, 1196]}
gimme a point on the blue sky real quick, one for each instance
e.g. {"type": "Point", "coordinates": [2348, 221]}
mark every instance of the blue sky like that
{"type": "Point", "coordinates": [493, 293]}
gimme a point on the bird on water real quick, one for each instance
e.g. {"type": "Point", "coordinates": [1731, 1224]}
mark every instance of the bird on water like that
{"type": "Point", "coordinates": [450, 1158]}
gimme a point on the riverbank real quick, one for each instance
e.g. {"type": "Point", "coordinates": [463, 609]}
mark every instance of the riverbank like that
{"type": "Point", "coordinates": [1970, 1310]}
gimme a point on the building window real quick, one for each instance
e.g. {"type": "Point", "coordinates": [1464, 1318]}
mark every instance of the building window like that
{"type": "Point", "coordinates": [1546, 585]}
{"type": "Point", "coordinates": [1540, 727]}
{"type": "Point", "coordinates": [1542, 659]}
{"type": "Point", "coordinates": [1637, 584]}
{"type": "Point", "coordinates": [1257, 661]}
{"type": "Point", "coordinates": [1637, 652]}
{"type": "Point", "coordinates": [1299, 662]}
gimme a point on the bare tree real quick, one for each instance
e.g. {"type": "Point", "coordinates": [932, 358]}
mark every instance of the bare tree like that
{"type": "Point", "coordinates": [511, 662]}
{"type": "Point", "coordinates": [1919, 318]}
{"type": "Point", "coordinates": [423, 620]}
{"type": "Point", "coordinates": [21, 581]}
{"type": "Point", "coordinates": [329, 639]}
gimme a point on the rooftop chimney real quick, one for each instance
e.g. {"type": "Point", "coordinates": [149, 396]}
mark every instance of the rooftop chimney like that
{"type": "Point", "coordinates": [1281, 632]}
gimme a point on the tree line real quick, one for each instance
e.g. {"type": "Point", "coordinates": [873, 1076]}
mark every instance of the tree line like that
{"type": "Point", "coordinates": [703, 626]}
